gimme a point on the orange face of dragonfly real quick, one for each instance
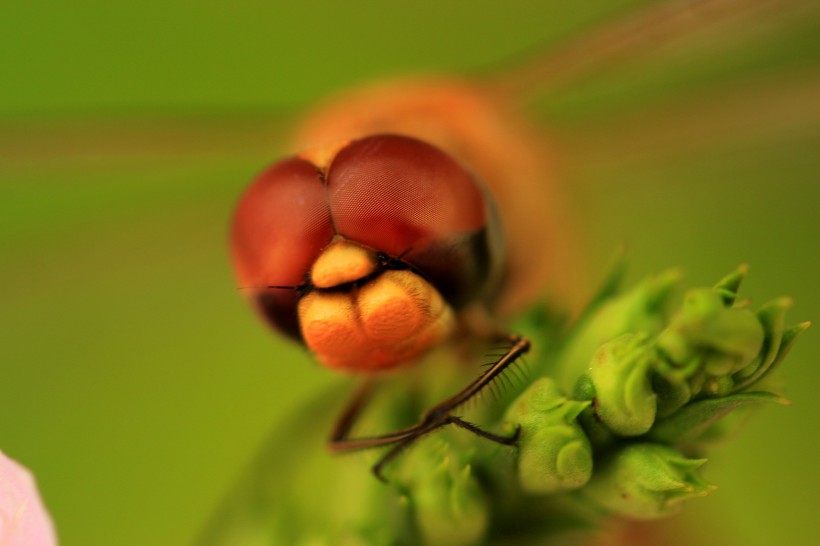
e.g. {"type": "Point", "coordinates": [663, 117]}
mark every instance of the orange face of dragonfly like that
{"type": "Point", "coordinates": [365, 251]}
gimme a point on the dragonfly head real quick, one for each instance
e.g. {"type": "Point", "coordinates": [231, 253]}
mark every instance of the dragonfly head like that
{"type": "Point", "coordinates": [382, 239]}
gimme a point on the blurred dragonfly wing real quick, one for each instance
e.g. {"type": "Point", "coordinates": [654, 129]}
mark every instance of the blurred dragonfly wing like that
{"type": "Point", "coordinates": [634, 34]}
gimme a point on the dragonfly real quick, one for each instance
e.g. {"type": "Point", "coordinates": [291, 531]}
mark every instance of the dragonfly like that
{"type": "Point", "coordinates": [407, 218]}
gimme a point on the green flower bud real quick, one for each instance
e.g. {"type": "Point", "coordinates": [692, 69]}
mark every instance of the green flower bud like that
{"type": "Point", "coordinates": [620, 374]}
{"type": "Point", "coordinates": [642, 309]}
{"type": "Point", "coordinates": [722, 340]}
{"type": "Point", "coordinates": [448, 501]}
{"type": "Point", "coordinates": [647, 481]}
{"type": "Point", "coordinates": [554, 454]}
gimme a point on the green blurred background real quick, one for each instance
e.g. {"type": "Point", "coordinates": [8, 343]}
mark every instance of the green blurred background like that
{"type": "Point", "coordinates": [135, 381]}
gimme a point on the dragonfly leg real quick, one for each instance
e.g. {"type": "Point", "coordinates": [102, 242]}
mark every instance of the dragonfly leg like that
{"type": "Point", "coordinates": [432, 419]}
{"type": "Point", "coordinates": [403, 444]}
{"type": "Point", "coordinates": [394, 451]}
{"type": "Point", "coordinates": [350, 413]}
{"type": "Point", "coordinates": [505, 440]}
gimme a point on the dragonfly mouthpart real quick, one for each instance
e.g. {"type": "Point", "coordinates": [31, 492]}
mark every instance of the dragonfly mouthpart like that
{"type": "Point", "coordinates": [364, 318]}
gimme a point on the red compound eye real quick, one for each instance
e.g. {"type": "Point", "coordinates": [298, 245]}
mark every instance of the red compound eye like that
{"type": "Point", "coordinates": [394, 194]}
{"type": "Point", "coordinates": [406, 198]}
{"type": "Point", "coordinates": [280, 227]}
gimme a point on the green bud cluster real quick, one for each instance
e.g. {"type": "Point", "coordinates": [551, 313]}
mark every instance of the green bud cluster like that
{"type": "Point", "coordinates": [650, 386]}
{"type": "Point", "coordinates": [450, 505]}
{"type": "Point", "coordinates": [709, 340]}
{"type": "Point", "coordinates": [554, 453]}
{"type": "Point", "coordinates": [624, 398]}
{"type": "Point", "coordinates": [647, 481]}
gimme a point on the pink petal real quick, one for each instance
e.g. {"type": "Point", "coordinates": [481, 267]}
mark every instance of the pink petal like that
{"type": "Point", "coordinates": [24, 520]}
